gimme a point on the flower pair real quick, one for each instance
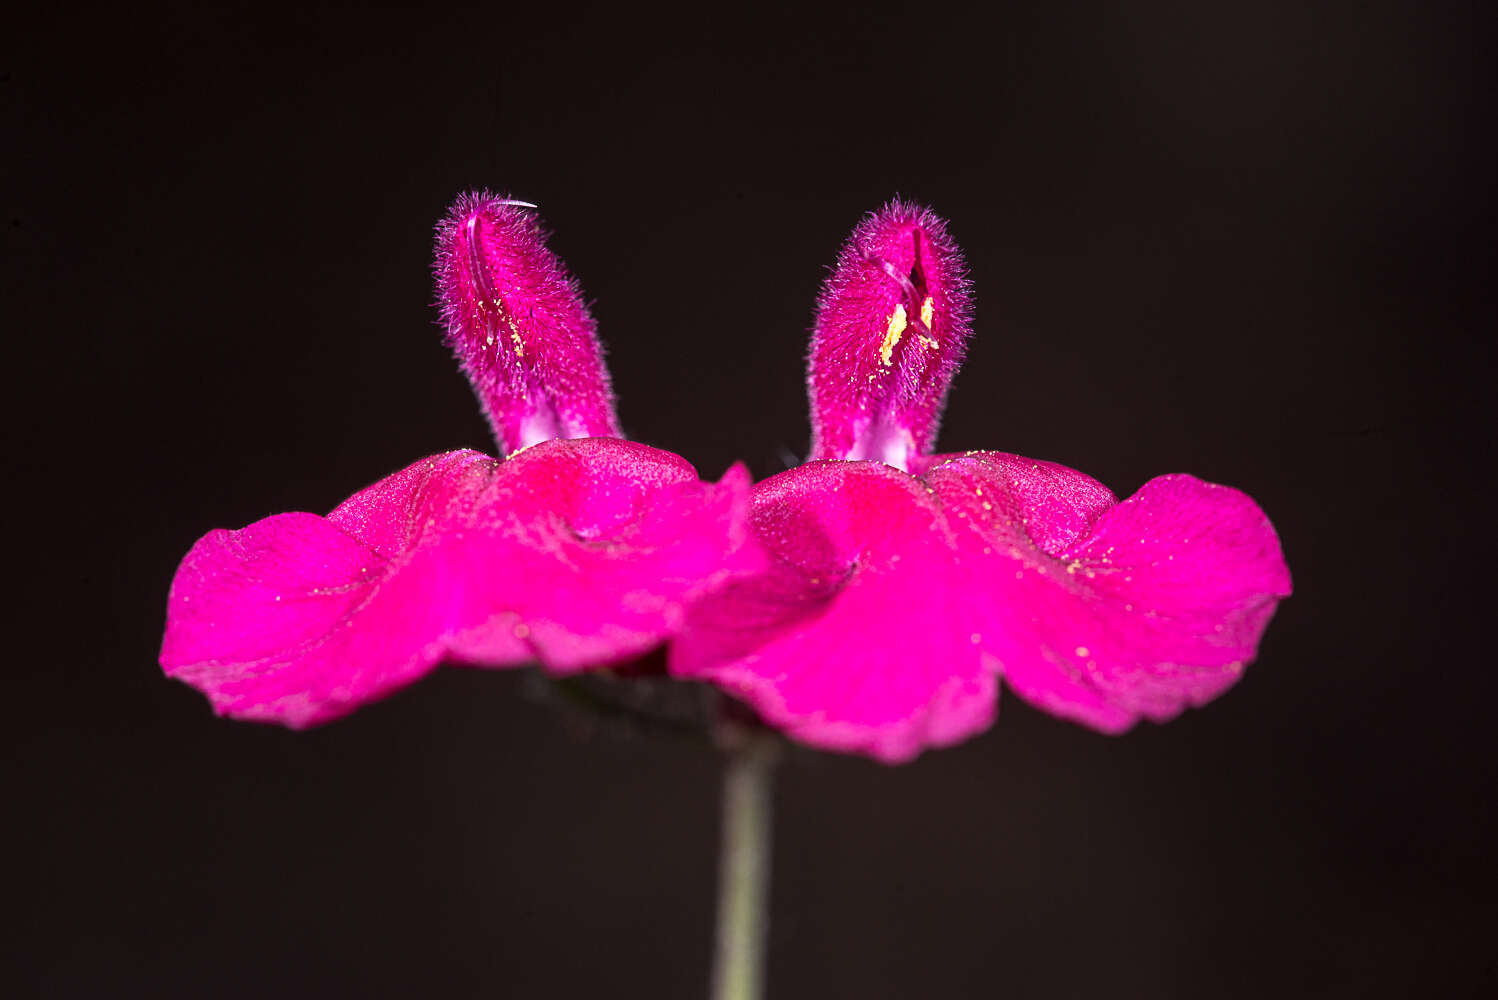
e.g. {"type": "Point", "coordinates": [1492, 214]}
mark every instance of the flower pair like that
{"type": "Point", "coordinates": [866, 601]}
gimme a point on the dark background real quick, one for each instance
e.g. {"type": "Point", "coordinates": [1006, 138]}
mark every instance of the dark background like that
{"type": "Point", "coordinates": [1249, 243]}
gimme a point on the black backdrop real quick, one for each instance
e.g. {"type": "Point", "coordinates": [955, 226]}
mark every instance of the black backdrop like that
{"type": "Point", "coordinates": [1243, 243]}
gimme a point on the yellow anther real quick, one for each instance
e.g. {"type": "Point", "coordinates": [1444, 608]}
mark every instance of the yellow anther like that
{"type": "Point", "coordinates": [892, 334]}
{"type": "Point", "coordinates": [928, 310]}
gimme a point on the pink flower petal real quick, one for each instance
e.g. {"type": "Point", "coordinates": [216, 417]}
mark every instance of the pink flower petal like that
{"type": "Point", "coordinates": [1107, 613]}
{"type": "Point", "coordinates": [890, 601]}
{"type": "Point", "coordinates": [607, 541]}
{"type": "Point", "coordinates": [845, 640]}
{"type": "Point", "coordinates": [572, 552]}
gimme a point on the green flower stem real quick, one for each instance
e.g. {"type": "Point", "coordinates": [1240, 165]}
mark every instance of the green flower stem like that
{"type": "Point", "coordinates": [744, 872]}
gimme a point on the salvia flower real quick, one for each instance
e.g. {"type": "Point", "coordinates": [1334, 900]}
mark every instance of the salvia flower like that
{"type": "Point", "coordinates": [901, 584]}
{"type": "Point", "coordinates": [578, 550]}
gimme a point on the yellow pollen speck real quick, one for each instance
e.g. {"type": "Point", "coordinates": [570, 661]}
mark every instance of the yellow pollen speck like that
{"type": "Point", "coordinates": [521, 631]}
{"type": "Point", "coordinates": [515, 337]}
{"type": "Point", "coordinates": [1083, 652]}
{"type": "Point", "coordinates": [892, 334]}
{"type": "Point", "coordinates": [928, 310]}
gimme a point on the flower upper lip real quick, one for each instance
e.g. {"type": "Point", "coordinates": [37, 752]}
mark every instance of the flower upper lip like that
{"type": "Point", "coordinates": [517, 323]}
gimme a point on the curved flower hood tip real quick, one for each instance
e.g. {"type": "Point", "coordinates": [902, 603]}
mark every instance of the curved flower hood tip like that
{"type": "Point", "coordinates": [578, 550]}
{"type": "Point", "coordinates": [900, 585]}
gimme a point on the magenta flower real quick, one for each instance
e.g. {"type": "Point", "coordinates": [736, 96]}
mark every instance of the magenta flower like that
{"type": "Point", "coordinates": [577, 550]}
{"type": "Point", "coordinates": [902, 584]}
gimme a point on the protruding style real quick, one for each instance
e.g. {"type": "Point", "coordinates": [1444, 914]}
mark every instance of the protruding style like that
{"type": "Point", "coordinates": [892, 323]}
{"type": "Point", "coordinates": [517, 323]}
